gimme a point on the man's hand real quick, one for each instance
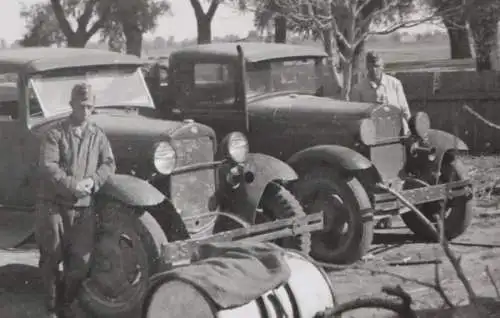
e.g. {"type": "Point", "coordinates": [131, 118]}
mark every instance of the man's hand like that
{"type": "Point", "coordinates": [84, 188]}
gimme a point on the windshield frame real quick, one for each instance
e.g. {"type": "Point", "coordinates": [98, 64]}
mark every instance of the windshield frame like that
{"type": "Point", "coordinates": [76, 72]}
{"type": "Point", "coordinates": [319, 71]}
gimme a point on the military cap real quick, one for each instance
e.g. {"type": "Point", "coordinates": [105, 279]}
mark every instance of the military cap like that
{"type": "Point", "coordinates": [374, 58]}
{"type": "Point", "coordinates": [82, 92]}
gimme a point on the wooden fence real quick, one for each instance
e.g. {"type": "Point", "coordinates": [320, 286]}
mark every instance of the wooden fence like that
{"type": "Point", "coordinates": [443, 94]}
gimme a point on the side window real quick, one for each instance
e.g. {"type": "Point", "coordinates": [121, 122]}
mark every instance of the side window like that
{"type": "Point", "coordinates": [211, 73]}
{"type": "Point", "coordinates": [9, 110]}
{"type": "Point", "coordinates": [213, 84]}
{"type": "Point", "coordinates": [8, 97]}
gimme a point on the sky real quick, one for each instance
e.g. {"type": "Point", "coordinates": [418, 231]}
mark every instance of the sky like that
{"type": "Point", "coordinates": [181, 25]}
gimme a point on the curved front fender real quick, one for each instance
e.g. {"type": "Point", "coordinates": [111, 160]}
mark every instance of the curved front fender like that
{"type": "Point", "coordinates": [266, 169]}
{"type": "Point", "coordinates": [245, 199]}
{"type": "Point", "coordinates": [131, 191]}
{"type": "Point", "coordinates": [444, 141]}
{"type": "Point", "coordinates": [332, 154]}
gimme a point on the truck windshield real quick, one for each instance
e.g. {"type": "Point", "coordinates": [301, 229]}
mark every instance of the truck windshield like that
{"type": "Point", "coordinates": [290, 75]}
{"type": "Point", "coordinates": [111, 87]}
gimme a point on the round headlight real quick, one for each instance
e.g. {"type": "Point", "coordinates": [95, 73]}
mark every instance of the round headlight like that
{"type": "Point", "coordinates": [420, 124]}
{"type": "Point", "coordinates": [237, 147]}
{"type": "Point", "coordinates": [367, 132]}
{"type": "Point", "coordinates": [164, 157]}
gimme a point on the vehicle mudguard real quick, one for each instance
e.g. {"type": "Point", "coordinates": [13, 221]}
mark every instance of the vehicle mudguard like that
{"type": "Point", "coordinates": [244, 200]}
{"type": "Point", "coordinates": [337, 156]}
{"type": "Point", "coordinates": [131, 191]}
{"type": "Point", "coordinates": [444, 142]}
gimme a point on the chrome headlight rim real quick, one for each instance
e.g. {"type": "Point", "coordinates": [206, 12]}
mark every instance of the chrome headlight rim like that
{"type": "Point", "coordinates": [164, 157]}
{"type": "Point", "coordinates": [237, 147]}
{"type": "Point", "coordinates": [367, 132]}
{"type": "Point", "coordinates": [420, 125]}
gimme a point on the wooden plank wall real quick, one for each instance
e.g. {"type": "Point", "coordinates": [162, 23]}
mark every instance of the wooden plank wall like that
{"type": "Point", "coordinates": [443, 94]}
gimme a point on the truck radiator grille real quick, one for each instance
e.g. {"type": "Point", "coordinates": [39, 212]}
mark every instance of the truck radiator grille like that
{"type": "Point", "coordinates": [191, 191]}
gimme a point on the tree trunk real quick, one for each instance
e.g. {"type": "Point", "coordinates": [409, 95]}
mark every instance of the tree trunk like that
{"type": "Point", "coordinates": [347, 70]}
{"type": "Point", "coordinates": [483, 22]}
{"type": "Point", "coordinates": [484, 33]}
{"type": "Point", "coordinates": [280, 29]}
{"type": "Point", "coordinates": [133, 39]}
{"type": "Point", "coordinates": [333, 87]}
{"type": "Point", "coordinates": [77, 39]}
{"type": "Point", "coordinates": [204, 30]}
{"type": "Point", "coordinates": [459, 39]}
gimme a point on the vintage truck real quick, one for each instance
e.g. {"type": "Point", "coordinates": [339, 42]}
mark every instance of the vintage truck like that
{"type": "Point", "coordinates": [350, 156]}
{"type": "Point", "coordinates": [165, 169]}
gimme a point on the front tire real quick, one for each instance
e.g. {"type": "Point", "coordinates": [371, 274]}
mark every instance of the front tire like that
{"type": "Point", "coordinates": [458, 213]}
{"type": "Point", "coordinates": [127, 253]}
{"type": "Point", "coordinates": [346, 207]}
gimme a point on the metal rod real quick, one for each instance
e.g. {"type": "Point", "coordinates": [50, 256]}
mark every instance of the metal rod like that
{"type": "Point", "coordinates": [228, 215]}
{"type": "Point", "coordinates": [413, 208]}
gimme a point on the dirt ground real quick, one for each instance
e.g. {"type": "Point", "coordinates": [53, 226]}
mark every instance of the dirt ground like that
{"type": "Point", "coordinates": [21, 292]}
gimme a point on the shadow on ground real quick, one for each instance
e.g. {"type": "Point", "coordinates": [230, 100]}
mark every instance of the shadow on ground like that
{"type": "Point", "coordinates": [20, 292]}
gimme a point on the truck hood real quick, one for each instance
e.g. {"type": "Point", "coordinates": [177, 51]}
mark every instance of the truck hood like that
{"type": "Point", "coordinates": [132, 136]}
{"type": "Point", "coordinates": [288, 106]}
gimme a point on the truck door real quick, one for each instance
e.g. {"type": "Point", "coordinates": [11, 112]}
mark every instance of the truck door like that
{"type": "Point", "coordinates": [206, 92]}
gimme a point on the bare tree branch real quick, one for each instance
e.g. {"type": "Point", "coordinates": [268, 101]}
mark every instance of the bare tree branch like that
{"type": "Point", "coordinates": [84, 19]}
{"type": "Point", "coordinates": [211, 10]}
{"type": "Point", "coordinates": [61, 18]}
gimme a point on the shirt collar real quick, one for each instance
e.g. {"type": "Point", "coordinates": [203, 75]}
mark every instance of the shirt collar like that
{"type": "Point", "coordinates": [383, 82]}
{"type": "Point", "coordinates": [80, 130]}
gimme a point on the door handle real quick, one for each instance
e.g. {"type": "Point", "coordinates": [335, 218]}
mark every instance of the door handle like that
{"type": "Point", "coordinates": [176, 111]}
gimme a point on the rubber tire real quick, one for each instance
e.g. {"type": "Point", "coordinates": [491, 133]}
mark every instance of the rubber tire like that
{"type": "Point", "coordinates": [460, 216]}
{"type": "Point", "coordinates": [354, 198]}
{"type": "Point", "coordinates": [279, 203]}
{"type": "Point", "coordinates": [152, 238]}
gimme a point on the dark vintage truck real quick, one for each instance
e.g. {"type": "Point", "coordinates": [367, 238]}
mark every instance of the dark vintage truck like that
{"type": "Point", "coordinates": [174, 181]}
{"type": "Point", "coordinates": [350, 156]}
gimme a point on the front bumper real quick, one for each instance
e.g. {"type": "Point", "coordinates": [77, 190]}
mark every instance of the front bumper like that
{"type": "Point", "coordinates": [387, 203]}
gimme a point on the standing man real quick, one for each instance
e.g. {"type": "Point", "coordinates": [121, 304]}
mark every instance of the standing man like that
{"type": "Point", "coordinates": [382, 88]}
{"type": "Point", "coordinates": [75, 161]}
{"type": "Point", "coordinates": [379, 87]}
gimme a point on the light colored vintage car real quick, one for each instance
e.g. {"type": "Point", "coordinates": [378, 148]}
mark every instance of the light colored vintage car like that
{"type": "Point", "coordinates": [164, 169]}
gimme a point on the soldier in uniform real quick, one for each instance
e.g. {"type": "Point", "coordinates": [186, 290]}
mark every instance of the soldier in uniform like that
{"type": "Point", "coordinates": [76, 159]}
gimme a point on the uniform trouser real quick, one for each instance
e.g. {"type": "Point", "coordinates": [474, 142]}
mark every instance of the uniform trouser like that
{"type": "Point", "coordinates": [63, 234]}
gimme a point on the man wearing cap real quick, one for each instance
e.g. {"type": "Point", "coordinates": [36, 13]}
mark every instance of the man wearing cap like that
{"type": "Point", "coordinates": [382, 88]}
{"type": "Point", "coordinates": [75, 161]}
{"type": "Point", "coordinates": [379, 87]}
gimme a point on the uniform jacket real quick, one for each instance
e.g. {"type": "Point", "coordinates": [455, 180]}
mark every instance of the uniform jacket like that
{"type": "Point", "coordinates": [67, 157]}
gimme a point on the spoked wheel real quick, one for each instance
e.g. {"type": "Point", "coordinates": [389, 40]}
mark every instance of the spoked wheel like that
{"type": "Point", "coordinates": [126, 255]}
{"type": "Point", "coordinates": [457, 213]}
{"type": "Point", "coordinates": [278, 203]}
{"type": "Point", "coordinates": [347, 233]}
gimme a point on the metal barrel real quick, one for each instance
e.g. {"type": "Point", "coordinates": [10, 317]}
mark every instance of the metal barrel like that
{"type": "Point", "coordinates": [307, 292]}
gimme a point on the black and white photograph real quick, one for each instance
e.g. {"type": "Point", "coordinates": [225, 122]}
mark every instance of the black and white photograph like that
{"type": "Point", "coordinates": [249, 158]}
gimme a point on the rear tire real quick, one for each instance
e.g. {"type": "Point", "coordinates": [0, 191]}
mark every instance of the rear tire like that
{"type": "Point", "coordinates": [459, 214]}
{"type": "Point", "coordinates": [127, 253]}
{"type": "Point", "coordinates": [347, 211]}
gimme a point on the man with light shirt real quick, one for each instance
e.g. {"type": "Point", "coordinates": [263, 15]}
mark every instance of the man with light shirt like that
{"type": "Point", "coordinates": [379, 87]}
